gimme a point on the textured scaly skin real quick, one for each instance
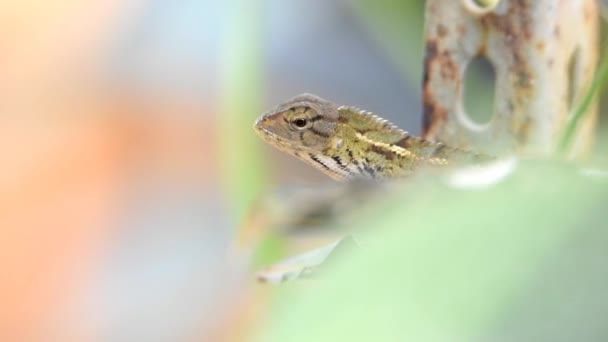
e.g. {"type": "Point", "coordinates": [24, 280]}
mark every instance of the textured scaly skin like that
{"type": "Point", "coordinates": [346, 142]}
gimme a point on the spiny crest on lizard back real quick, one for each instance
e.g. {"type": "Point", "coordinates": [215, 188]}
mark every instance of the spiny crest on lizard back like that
{"type": "Point", "coordinates": [363, 120]}
{"type": "Point", "coordinates": [371, 125]}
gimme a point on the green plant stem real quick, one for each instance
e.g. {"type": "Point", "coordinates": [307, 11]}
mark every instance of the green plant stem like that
{"type": "Point", "coordinates": [598, 82]}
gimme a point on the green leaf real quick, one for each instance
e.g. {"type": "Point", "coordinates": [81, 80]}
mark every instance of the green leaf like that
{"type": "Point", "coordinates": [459, 265]}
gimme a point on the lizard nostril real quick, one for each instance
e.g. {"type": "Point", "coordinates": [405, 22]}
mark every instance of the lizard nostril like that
{"type": "Point", "coordinates": [257, 124]}
{"type": "Point", "coordinates": [260, 121]}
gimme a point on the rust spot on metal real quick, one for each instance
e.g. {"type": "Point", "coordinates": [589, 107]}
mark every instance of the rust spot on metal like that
{"type": "Point", "coordinates": [442, 31]}
{"type": "Point", "coordinates": [510, 106]}
{"type": "Point", "coordinates": [516, 30]}
{"type": "Point", "coordinates": [433, 115]}
{"type": "Point", "coordinates": [587, 14]}
{"type": "Point", "coordinates": [557, 32]}
{"type": "Point", "coordinates": [523, 129]}
{"type": "Point", "coordinates": [429, 56]}
{"type": "Point", "coordinates": [524, 79]}
{"type": "Point", "coordinates": [484, 46]}
{"type": "Point", "coordinates": [540, 46]}
{"type": "Point", "coordinates": [449, 70]}
{"type": "Point", "coordinates": [462, 30]}
{"type": "Point", "coordinates": [430, 52]}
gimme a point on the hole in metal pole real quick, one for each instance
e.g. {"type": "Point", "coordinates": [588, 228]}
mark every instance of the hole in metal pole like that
{"type": "Point", "coordinates": [480, 7]}
{"type": "Point", "coordinates": [479, 90]}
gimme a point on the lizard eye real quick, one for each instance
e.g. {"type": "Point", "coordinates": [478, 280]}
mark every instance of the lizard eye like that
{"type": "Point", "coordinates": [300, 123]}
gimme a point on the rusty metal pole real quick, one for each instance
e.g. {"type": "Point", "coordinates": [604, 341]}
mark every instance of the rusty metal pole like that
{"type": "Point", "coordinates": [532, 45]}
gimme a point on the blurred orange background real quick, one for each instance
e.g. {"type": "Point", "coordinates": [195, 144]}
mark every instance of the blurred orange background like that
{"type": "Point", "coordinates": [70, 145]}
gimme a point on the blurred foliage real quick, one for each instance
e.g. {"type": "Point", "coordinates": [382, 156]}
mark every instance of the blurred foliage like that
{"type": "Point", "coordinates": [269, 249]}
{"type": "Point", "coordinates": [396, 26]}
{"type": "Point", "coordinates": [604, 95]}
{"type": "Point", "coordinates": [241, 162]}
{"type": "Point", "coordinates": [521, 260]}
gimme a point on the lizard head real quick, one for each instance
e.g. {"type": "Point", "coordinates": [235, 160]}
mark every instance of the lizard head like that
{"type": "Point", "coordinates": [304, 124]}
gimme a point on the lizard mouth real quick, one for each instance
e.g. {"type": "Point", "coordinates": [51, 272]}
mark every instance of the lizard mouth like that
{"type": "Point", "coordinates": [262, 132]}
{"type": "Point", "coordinates": [258, 123]}
{"type": "Point", "coordinates": [276, 140]}
{"type": "Point", "coordinates": [268, 135]}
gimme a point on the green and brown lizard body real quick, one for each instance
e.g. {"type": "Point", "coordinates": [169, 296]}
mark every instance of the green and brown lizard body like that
{"type": "Point", "coordinates": [346, 142]}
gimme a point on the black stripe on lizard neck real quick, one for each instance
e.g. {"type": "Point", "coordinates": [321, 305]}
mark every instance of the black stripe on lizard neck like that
{"type": "Point", "coordinates": [370, 171]}
{"type": "Point", "coordinates": [318, 161]}
{"type": "Point", "coordinates": [338, 161]}
{"type": "Point", "coordinates": [341, 165]}
{"type": "Point", "coordinates": [351, 157]}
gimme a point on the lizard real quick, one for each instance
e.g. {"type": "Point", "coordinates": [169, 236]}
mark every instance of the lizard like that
{"type": "Point", "coordinates": [347, 143]}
